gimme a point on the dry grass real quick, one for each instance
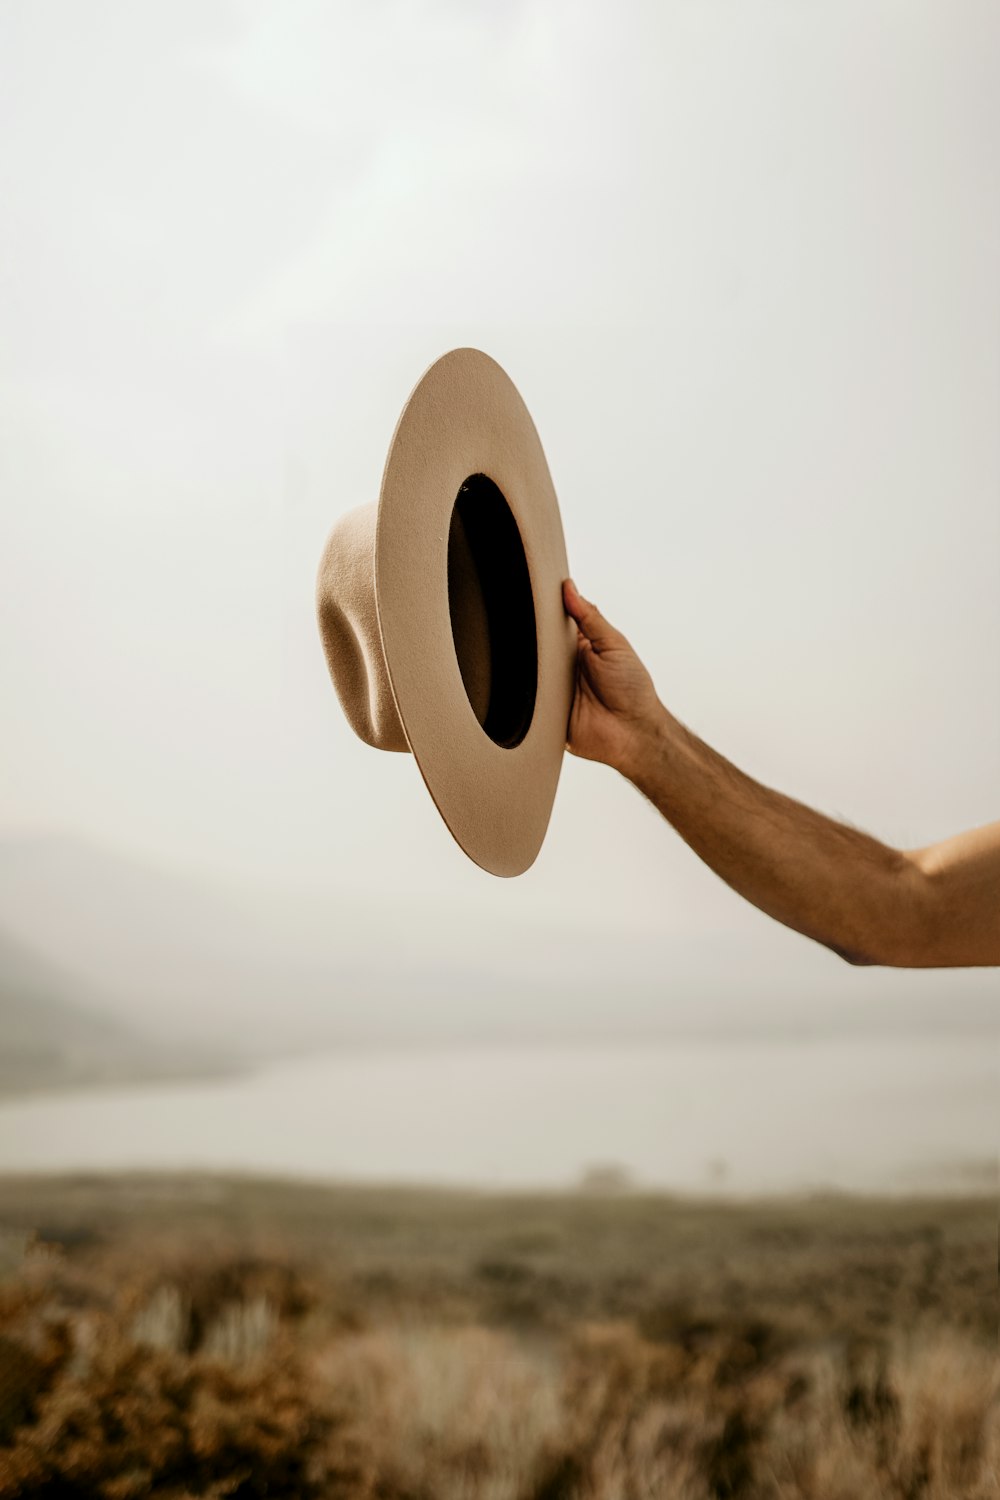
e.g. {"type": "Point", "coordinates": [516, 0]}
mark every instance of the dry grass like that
{"type": "Point", "coordinates": [449, 1412]}
{"type": "Point", "coordinates": [191, 1338]}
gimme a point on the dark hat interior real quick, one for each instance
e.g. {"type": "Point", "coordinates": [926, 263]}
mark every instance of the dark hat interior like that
{"type": "Point", "coordinates": [492, 611]}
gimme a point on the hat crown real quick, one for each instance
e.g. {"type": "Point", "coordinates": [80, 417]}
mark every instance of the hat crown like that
{"type": "Point", "coordinates": [348, 621]}
{"type": "Point", "coordinates": [490, 606]}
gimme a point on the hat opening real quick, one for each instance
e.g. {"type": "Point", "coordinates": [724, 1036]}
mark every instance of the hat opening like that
{"type": "Point", "coordinates": [492, 611]}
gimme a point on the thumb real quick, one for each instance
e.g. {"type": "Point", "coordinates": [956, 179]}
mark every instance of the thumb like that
{"type": "Point", "coordinates": [598, 631]}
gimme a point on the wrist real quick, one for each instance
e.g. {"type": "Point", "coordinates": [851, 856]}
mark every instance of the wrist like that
{"type": "Point", "coordinates": [644, 745]}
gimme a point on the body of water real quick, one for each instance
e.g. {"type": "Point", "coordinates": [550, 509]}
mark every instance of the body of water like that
{"type": "Point", "coordinates": [707, 1116]}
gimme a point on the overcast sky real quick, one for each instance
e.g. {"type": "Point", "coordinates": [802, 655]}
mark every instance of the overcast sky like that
{"type": "Point", "coordinates": [741, 261]}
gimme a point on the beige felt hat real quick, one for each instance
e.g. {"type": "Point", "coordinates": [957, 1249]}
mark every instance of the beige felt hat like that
{"type": "Point", "coordinates": [440, 609]}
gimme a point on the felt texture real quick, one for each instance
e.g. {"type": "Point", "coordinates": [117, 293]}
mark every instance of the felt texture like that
{"type": "Point", "coordinates": [349, 631]}
{"type": "Point", "coordinates": [404, 624]}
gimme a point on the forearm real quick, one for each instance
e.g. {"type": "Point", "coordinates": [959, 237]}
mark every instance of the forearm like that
{"type": "Point", "coordinates": [932, 907]}
{"type": "Point", "coordinates": [825, 880]}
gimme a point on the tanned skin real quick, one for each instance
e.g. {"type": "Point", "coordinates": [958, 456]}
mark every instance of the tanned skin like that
{"type": "Point", "coordinates": [921, 908]}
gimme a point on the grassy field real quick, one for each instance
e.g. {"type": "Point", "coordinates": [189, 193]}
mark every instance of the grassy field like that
{"type": "Point", "coordinates": [195, 1336]}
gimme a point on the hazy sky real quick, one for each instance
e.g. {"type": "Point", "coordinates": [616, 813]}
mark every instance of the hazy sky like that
{"type": "Point", "coordinates": [741, 261]}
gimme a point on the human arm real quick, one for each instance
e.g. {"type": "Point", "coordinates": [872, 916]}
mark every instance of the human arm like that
{"type": "Point", "coordinates": [869, 903]}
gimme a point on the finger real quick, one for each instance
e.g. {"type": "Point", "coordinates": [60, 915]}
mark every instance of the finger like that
{"type": "Point", "coordinates": [589, 620]}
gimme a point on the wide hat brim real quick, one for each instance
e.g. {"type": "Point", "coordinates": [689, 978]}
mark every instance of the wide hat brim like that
{"type": "Point", "coordinates": [466, 418]}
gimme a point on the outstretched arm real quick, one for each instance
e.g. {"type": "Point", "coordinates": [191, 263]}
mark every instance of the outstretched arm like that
{"type": "Point", "coordinates": [923, 908]}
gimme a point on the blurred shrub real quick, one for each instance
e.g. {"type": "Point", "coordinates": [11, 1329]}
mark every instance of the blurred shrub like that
{"type": "Point", "coordinates": [505, 1366]}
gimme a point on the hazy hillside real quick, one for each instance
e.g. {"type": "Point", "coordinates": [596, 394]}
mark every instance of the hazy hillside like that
{"type": "Point", "coordinates": [184, 959]}
{"type": "Point", "coordinates": [50, 1037]}
{"type": "Point", "coordinates": [258, 972]}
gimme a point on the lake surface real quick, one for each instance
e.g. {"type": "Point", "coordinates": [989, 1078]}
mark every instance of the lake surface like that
{"type": "Point", "coordinates": [706, 1116]}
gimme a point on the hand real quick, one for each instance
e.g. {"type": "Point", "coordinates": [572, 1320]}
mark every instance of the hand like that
{"type": "Point", "coordinates": [615, 707]}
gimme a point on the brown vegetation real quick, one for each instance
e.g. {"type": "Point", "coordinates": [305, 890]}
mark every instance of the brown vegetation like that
{"type": "Point", "coordinates": [218, 1338]}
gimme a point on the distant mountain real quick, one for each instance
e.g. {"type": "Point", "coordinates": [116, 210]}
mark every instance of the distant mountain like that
{"type": "Point", "coordinates": [257, 973]}
{"type": "Point", "coordinates": [184, 959]}
{"type": "Point", "coordinates": [50, 1038]}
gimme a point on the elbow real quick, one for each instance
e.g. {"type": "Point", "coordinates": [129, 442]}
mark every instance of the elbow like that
{"type": "Point", "coordinates": [858, 958]}
{"type": "Point", "coordinates": [896, 931]}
